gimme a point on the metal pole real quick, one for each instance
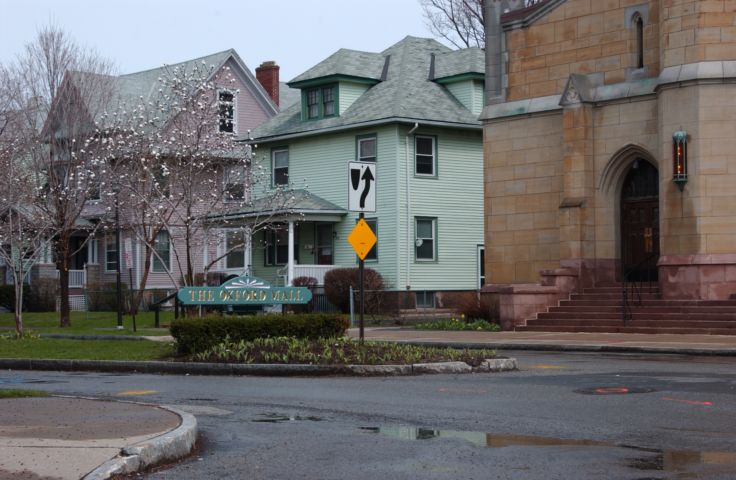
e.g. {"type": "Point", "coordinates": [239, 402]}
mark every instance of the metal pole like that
{"type": "Point", "coordinates": [361, 268]}
{"type": "Point", "coordinates": [118, 286]}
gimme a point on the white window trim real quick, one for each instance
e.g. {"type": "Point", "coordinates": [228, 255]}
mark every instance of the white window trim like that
{"type": "Point", "coordinates": [273, 166]}
{"type": "Point", "coordinates": [375, 142]}
{"type": "Point", "coordinates": [109, 236]}
{"type": "Point", "coordinates": [234, 102]}
{"type": "Point", "coordinates": [434, 239]}
{"type": "Point", "coordinates": [226, 250]}
{"type": "Point", "coordinates": [226, 183]}
{"type": "Point", "coordinates": [154, 257]}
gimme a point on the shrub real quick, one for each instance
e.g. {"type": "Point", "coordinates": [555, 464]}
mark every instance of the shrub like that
{"type": "Point", "coordinates": [473, 306]}
{"type": "Point", "coordinates": [310, 283]}
{"type": "Point", "coordinates": [339, 281]}
{"type": "Point", "coordinates": [194, 335]}
{"type": "Point", "coordinates": [41, 295]}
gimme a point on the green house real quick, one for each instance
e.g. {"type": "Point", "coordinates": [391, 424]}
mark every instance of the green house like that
{"type": "Point", "coordinates": [411, 112]}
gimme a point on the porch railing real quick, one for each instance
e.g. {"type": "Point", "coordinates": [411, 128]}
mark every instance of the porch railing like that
{"type": "Point", "coordinates": [77, 278]}
{"type": "Point", "coordinates": [315, 271]}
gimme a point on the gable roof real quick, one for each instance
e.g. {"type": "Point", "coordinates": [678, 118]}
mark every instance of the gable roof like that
{"type": "Point", "coordinates": [142, 87]}
{"type": "Point", "coordinates": [404, 92]}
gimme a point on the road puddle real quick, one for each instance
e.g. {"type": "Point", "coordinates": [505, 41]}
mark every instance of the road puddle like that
{"type": "Point", "coordinates": [281, 418]}
{"type": "Point", "coordinates": [656, 460]}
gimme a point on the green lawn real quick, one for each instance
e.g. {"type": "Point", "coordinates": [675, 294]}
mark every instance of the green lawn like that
{"type": "Point", "coordinates": [64, 349]}
{"type": "Point", "coordinates": [89, 323]}
{"type": "Point", "coordinates": [21, 393]}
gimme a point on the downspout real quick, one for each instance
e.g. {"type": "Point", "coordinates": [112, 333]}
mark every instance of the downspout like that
{"type": "Point", "coordinates": [408, 208]}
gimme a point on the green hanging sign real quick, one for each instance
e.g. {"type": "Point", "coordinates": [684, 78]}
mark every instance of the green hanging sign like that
{"type": "Point", "coordinates": [244, 291]}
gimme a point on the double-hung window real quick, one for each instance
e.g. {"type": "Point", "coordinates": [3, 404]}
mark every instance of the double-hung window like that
{"type": "Point", "coordinates": [277, 246]}
{"type": "Point", "coordinates": [320, 102]}
{"type": "Point", "coordinates": [162, 252]}
{"type": "Point", "coordinates": [367, 149]}
{"type": "Point", "coordinates": [425, 239]}
{"type": "Point", "coordinates": [111, 253]}
{"type": "Point", "coordinates": [280, 166]}
{"type": "Point", "coordinates": [226, 109]}
{"type": "Point", "coordinates": [425, 155]}
{"type": "Point", "coordinates": [235, 184]}
{"type": "Point", "coordinates": [235, 248]}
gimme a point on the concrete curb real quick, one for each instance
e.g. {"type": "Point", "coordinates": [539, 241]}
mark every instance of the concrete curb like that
{"type": "Point", "coordinates": [546, 347]}
{"type": "Point", "coordinates": [192, 368]}
{"type": "Point", "coordinates": [169, 446]}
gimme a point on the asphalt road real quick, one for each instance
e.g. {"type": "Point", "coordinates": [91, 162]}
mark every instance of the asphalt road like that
{"type": "Point", "coordinates": [563, 416]}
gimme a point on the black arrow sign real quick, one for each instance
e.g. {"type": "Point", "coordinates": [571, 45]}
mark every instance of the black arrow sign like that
{"type": "Point", "coordinates": [368, 177]}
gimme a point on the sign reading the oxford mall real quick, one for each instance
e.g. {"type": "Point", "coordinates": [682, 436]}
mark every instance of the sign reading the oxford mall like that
{"type": "Point", "coordinates": [244, 291]}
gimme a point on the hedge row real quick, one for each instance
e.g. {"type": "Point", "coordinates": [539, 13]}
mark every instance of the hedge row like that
{"type": "Point", "coordinates": [195, 335]}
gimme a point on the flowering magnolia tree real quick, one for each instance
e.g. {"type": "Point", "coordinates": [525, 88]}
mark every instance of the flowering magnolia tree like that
{"type": "Point", "coordinates": [24, 230]}
{"type": "Point", "coordinates": [55, 110]}
{"type": "Point", "coordinates": [181, 170]}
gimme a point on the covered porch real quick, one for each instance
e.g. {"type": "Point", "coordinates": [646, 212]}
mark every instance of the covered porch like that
{"type": "Point", "coordinates": [293, 236]}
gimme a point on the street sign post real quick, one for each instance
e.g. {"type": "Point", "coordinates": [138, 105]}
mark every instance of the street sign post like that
{"type": "Point", "coordinates": [362, 187]}
{"type": "Point", "coordinates": [362, 239]}
{"type": "Point", "coordinates": [362, 198]}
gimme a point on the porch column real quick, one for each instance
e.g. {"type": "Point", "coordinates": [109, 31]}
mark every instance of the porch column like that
{"type": "Point", "coordinates": [290, 266]}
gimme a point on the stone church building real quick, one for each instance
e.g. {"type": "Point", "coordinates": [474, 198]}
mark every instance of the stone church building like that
{"type": "Point", "coordinates": [610, 164]}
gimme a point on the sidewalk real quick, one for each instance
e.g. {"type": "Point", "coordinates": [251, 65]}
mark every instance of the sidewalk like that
{"type": "Point", "coordinates": [570, 342]}
{"type": "Point", "coordinates": [67, 438]}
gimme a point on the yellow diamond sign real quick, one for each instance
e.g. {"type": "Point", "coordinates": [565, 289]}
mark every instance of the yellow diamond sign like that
{"type": "Point", "coordinates": [362, 239]}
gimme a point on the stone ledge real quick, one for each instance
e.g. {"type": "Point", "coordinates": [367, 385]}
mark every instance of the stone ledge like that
{"type": "Point", "coordinates": [520, 288]}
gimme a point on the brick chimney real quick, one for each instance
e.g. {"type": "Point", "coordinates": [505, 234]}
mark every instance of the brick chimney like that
{"type": "Point", "coordinates": [268, 75]}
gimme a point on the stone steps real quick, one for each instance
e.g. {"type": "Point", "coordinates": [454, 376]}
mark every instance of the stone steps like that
{"type": "Point", "coordinates": [599, 310]}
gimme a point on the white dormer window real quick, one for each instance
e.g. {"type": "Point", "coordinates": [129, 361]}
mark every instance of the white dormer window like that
{"type": "Point", "coordinates": [234, 183]}
{"type": "Point", "coordinates": [226, 108]}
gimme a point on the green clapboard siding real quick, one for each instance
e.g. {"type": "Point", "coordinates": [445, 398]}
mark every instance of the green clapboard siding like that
{"type": "Point", "coordinates": [455, 197]}
{"type": "Point", "coordinates": [469, 93]}
{"type": "Point", "coordinates": [349, 93]}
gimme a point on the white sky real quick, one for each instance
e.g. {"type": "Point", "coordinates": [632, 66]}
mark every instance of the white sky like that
{"type": "Point", "coordinates": [142, 34]}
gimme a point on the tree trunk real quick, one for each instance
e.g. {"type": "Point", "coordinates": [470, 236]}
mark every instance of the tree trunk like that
{"type": "Point", "coordinates": [19, 308]}
{"type": "Point", "coordinates": [144, 278]}
{"type": "Point", "coordinates": [63, 265]}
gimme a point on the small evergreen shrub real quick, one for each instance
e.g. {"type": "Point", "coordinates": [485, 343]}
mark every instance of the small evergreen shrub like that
{"type": "Point", "coordinates": [194, 335]}
{"type": "Point", "coordinates": [339, 281]}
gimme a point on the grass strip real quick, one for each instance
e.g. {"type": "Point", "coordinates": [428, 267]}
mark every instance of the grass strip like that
{"type": "Point", "coordinates": [89, 323]}
{"type": "Point", "coordinates": [64, 349]}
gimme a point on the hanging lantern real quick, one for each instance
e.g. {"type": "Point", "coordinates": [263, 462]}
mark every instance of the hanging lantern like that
{"type": "Point", "coordinates": [679, 159]}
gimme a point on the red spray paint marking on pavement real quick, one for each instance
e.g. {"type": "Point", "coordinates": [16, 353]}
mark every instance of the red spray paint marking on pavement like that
{"type": "Point", "coordinates": [611, 390]}
{"type": "Point", "coordinates": [688, 402]}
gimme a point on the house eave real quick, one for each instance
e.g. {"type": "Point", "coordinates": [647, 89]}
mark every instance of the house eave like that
{"type": "Point", "coordinates": [371, 123]}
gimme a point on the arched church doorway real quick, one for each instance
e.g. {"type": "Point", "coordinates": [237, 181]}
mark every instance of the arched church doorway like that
{"type": "Point", "coordinates": [640, 222]}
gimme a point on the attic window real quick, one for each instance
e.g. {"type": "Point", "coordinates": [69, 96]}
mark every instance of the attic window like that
{"type": "Point", "coordinates": [320, 102]}
{"type": "Point", "coordinates": [226, 105]}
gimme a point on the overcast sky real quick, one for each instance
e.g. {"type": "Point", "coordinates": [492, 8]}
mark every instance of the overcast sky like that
{"type": "Point", "coordinates": [142, 34]}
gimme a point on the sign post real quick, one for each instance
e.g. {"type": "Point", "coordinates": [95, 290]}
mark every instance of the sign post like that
{"type": "Point", "coordinates": [362, 198]}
